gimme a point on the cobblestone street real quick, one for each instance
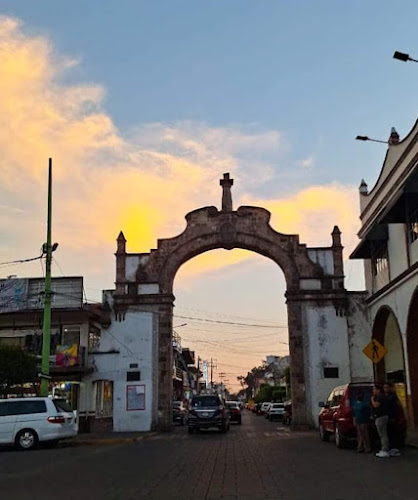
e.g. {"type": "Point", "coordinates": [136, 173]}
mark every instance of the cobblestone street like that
{"type": "Point", "coordinates": [257, 460]}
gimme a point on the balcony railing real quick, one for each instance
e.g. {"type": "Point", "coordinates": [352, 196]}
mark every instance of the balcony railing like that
{"type": "Point", "coordinates": [69, 359]}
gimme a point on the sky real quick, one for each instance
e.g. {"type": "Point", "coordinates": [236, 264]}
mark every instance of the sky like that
{"type": "Point", "coordinates": [143, 105]}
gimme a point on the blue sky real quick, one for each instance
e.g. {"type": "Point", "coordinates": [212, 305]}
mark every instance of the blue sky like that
{"type": "Point", "coordinates": [321, 71]}
{"type": "Point", "coordinates": [316, 74]}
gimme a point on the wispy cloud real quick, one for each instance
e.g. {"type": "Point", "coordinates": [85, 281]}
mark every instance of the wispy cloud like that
{"type": "Point", "coordinates": [143, 181]}
{"type": "Point", "coordinates": [307, 162]}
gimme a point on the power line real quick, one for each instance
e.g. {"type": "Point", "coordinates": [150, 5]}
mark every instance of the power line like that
{"type": "Point", "coordinates": [20, 261]}
{"type": "Point", "coordinates": [217, 314]}
{"type": "Point", "coordinates": [227, 322]}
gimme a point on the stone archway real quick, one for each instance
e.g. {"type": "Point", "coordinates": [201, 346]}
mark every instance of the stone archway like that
{"type": "Point", "coordinates": [412, 343]}
{"type": "Point", "coordinates": [386, 330]}
{"type": "Point", "coordinates": [315, 292]}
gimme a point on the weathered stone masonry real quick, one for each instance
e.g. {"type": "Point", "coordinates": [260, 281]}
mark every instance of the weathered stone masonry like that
{"type": "Point", "coordinates": [314, 279]}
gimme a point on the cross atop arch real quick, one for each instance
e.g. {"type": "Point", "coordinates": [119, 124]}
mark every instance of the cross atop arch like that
{"type": "Point", "coordinates": [226, 184]}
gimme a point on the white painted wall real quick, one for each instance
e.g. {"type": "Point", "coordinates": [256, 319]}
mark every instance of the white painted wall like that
{"type": "Point", "coordinates": [323, 257]}
{"type": "Point", "coordinates": [131, 266]}
{"type": "Point", "coordinates": [325, 344]}
{"type": "Point", "coordinates": [398, 300]}
{"type": "Point", "coordinates": [310, 284]}
{"type": "Point", "coordinates": [393, 343]}
{"type": "Point", "coordinates": [397, 253]}
{"type": "Point", "coordinates": [359, 335]}
{"type": "Point", "coordinates": [413, 249]}
{"type": "Point", "coordinates": [135, 342]}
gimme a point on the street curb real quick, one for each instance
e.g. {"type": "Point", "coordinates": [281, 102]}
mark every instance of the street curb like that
{"type": "Point", "coordinates": [105, 441]}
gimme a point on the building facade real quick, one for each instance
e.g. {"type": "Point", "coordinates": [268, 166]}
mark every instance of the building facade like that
{"type": "Point", "coordinates": [75, 327]}
{"type": "Point", "coordinates": [389, 248]}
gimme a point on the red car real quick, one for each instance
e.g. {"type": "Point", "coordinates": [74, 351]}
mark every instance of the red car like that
{"type": "Point", "coordinates": [336, 416]}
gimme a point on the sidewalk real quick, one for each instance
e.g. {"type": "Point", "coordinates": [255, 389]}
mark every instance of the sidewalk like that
{"type": "Point", "coordinates": [412, 438]}
{"type": "Point", "coordinates": [107, 438]}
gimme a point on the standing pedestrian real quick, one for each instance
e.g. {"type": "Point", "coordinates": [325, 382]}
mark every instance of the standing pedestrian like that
{"type": "Point", "coordinates": [380, 415]}
{"type": "Point", "coordinates": [394, 433]}
{"type": "Point", "coordinates": [361, 412]}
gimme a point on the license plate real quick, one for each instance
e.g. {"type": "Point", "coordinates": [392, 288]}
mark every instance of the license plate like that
{"type": "Point", "coordinates": [205, 414]}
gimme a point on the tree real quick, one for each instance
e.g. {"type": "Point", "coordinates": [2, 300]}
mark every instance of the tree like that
{"type": "Point", "coordinates": [16, 367]}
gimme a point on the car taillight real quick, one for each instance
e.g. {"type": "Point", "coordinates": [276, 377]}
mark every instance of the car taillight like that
{"type": "Point", "coordinates": [56, 420]}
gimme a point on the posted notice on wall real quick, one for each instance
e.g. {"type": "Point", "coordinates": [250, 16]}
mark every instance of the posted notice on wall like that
{"type": "Point", "coordinates": [135, 397]}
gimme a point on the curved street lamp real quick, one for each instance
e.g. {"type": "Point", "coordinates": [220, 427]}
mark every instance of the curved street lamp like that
{"type": "Point", "coordinates": [401, 56]}
{"type": "Point", "coordinates": [365, 138]}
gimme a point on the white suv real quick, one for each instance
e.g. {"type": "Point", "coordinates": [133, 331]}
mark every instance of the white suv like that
{"type": "Point", "coordinates": [275, 411]}
{"type": "Point", "coordinates": [25, 422]}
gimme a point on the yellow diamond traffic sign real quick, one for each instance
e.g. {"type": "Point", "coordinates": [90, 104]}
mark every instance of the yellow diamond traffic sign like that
{"type": "Point", "coordinates": [375, 351]}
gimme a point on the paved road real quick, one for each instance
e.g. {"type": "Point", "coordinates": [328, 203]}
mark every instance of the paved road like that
{"type": "Point", "coordinates": [258, 460]}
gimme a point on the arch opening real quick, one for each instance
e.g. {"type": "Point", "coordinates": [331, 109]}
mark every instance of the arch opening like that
{"type": "Point", "coordinates": [215, 303]}
{"type": "Point", "coordinates": [386, 330]}
{"type": "Point", "coordinates": [412, 342]}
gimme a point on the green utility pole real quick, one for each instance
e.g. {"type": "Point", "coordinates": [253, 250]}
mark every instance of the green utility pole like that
{"type": "Point", "coordinates": [46, 338]}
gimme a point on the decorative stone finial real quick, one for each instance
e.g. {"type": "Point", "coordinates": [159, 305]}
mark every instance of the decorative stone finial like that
{"type": "Point", "coordinates": [363, 187]}
{"type": "Point", "coordinates": [121, 243]}
{"type": "Point", "coordinates": [336, 236]}
{"type": "Point", "coordinates": [226, 184]}
{"type": "Point", "coordinates": [394, 137]}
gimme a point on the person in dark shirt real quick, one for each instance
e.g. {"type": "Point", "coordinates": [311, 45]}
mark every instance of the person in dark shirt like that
{"type": "Point", "coordinates": [362, 419]}
{"type": "Point", "coordinates": [393, 427]}
{"type": "Point", "coordinates": [380, 415]}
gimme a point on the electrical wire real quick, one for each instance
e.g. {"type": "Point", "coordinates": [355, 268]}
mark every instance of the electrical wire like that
{"type": "Point", "coordinates": [227, 322]}
{"type": "Point", "coordinates": [20, 261]}
{"type": "Point", "coordinates": [217, 314]}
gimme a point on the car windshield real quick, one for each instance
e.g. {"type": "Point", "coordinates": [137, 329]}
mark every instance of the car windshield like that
{"type": "Point", "coordinates": [278, 405]}
{"type": "Point", "coordinates": [176, 404]}
{"type": "Point", "coordinates": [205, 401]}
{"type": "Point", "coordinates": [232, 404]}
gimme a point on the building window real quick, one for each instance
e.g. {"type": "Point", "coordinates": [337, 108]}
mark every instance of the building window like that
{"type": "Point", "coordinates": [413, 226]}
{"type": "Point", "coordinates": [104, 398]}
{"type": "Point", "coordinates": [71, 335]}
{"type": "Point", "coordinates": [380, 261]}
{"type": "Point", "coordinates": [331, 372]}
{"type": "Point", "coordinates": [133, 376]}
{"type": "Point", "coordinates": [94, 339]}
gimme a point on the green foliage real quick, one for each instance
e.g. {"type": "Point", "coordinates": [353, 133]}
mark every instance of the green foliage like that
{"type": "Point", "coordinates": [16, 367]}
{"type": "Point", "coordinates": [268, 393]}
{"type": "Point", "coordinates": [286, 373]}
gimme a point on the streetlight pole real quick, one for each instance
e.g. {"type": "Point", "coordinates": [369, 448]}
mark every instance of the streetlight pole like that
{"type": "Point", "coordinates": [46, 337]}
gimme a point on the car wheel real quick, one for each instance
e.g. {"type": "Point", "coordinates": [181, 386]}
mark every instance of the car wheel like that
{"type": "Point", "coordinates": [339, 438]}
{"type": "Point", "coordinates": [182, 421]}
{"type": "Point", "coordinates": [191, 430]}
{"type": "Point", "coordinates": [239, 422]}
{"type": "Point", "coordinates": [323, 434]}
{"type": "Point", "coordinates": [26, 439]}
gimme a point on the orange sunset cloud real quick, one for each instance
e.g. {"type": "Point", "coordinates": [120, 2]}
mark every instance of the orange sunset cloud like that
{"type": "Point", "coordinates": [143, 182]}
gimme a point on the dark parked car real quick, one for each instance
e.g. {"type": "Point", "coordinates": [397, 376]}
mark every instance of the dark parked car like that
{"type": "Point", "coordinates": [234, 411]}
{"type": "Point", "coordinates": [179, 412]}
{"type": "Point", "coordinates": [208, 411]}
{"type": "Point", "coordinates": [336, 416]}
